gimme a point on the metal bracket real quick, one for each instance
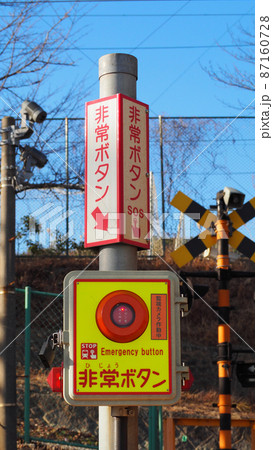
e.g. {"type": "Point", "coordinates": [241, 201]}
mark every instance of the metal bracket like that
{"type": "Point", "coordinates": [184, 304]}
{"type": "Point", "coordinates": [65, 338]}
{"type": "Point", "coordinates": [7, 129]}
{"type": "Point", "coordinates": [212, 229]}
{"type": "Point", "coordinates": [11, 139]}
{"type": "Point", "coordinates": [11, 167]}
{"type": "Point", "coordinates": [15, 134]}
{"type": "Point", "coordinates": [184, 370]}
{"type": "Point", "coordinates": [122, 411]}
{"type": "Point", "coordinates": [230, 228]}
{"type": "Point", "coordinates": [58, 339]}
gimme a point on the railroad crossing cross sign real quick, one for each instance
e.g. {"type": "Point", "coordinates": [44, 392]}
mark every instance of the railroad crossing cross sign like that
{"type": "Point", "coordinates": [206, 238]}
{"type": "Point", "coordinates": [121, 338]}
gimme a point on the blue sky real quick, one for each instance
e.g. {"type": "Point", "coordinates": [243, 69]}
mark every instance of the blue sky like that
{"type": "Point", "coordinates": [171, 79]}
{"type": "Point", "coordinates": [171, 40]}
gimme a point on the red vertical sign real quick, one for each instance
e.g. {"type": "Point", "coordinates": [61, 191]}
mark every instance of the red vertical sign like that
{"type": "Point", "coordinates": [117, 172]}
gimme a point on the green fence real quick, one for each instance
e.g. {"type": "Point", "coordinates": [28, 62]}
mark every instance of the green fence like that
{"type": "Point", "coordinates": [198, 156]}
{"type": "Point", "coordinates": [44, 416]}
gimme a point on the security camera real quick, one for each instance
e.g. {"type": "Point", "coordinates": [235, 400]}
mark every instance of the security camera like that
{"type": "Point", "coordinates": [30, 112]}
{"type": "Point", "coordinates": [47, 352]}
{"type": "Point", "coordinates": [34, 112]}
{"type": "Point", "coordinates": [233, 198]}
{"type": "Point", "coordinates": [33, 156]}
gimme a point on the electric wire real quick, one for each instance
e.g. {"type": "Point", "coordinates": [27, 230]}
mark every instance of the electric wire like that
{"type": "Point", "coordinates": [177, 47]}
{"type": "Point", "coordinates": [142, 15]}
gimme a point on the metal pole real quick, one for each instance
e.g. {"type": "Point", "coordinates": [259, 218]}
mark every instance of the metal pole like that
{"type": "Point", "coordinates": [224, 346]}
{"type": "Point", "coordinates": [67, 181]}
{"type": "Point", "coordinates": [7, 294]}
{"type": "Point", "coordinates": [117, 74]}
{"type": "Point", "coordinates": [153, 428]}
{"type": "Point", "coordinates": [160, 428]}
{"type": "Point", "coordinates": [151, 251]}
{"type": "Point", "coordinates": [27, 363]}
{"type": "Point", "coordinates": [183, 229]}
{"type": "Point", "coordinates": [117, 432]}
{"type": "Point", "coordinates": [162, 183]}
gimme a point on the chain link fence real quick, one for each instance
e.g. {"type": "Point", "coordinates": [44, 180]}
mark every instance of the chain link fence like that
{"type": "Point", "coordinates": [198, 156]}
{"type": "Point", "coordinates": [43, 415]}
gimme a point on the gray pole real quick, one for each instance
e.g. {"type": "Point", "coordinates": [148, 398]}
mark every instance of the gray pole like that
{"type": "Point", "coordinates": [118, 75]}
{"type": "Point", "coordinates": [7, 295]}
{"type": "Point", "coordinates": [162, 184]}
{"type": "Point", "coordinates": [67, 189]}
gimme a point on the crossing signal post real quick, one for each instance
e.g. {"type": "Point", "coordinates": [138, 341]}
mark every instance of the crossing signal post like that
{"type": "Point", "coordinates": [223, 231]}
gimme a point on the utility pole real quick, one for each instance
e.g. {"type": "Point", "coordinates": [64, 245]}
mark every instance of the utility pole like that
{"type": "Point", "coordinates": [7, 294]}
{"type": "Point", "coordinates": [224, 346]}
{"type": "Point", "coordinates": [118, 75]}
{"type": "Point", "coordinates": [11, 135]}
{"type": "Point", "coordinates": [67, 188]}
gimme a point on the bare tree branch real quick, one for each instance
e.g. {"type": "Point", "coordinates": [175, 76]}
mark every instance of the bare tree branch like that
{"type": "Point", "coordinates": [28, 51]}
{"type": "Point", "coordinates": [237, 76]}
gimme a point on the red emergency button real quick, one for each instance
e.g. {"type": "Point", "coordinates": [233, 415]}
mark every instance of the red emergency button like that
{"type": "Point", "coordinates": [122, 316]}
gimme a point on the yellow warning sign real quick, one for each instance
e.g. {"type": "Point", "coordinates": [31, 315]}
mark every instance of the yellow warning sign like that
{"type": "Point", "coordinates": [104, 366]}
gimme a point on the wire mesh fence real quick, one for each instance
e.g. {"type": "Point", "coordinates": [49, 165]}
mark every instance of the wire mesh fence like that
{"type": "Point", "coordinates": [198, 156]}
{"type": "Point", "coordinates": [43, 415]}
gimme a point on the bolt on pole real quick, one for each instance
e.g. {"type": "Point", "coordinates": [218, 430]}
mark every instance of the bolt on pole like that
{"type": "Point", "coordinates": [7, 293]}
{"type": "Point", "coordinates": [117, 75]}
{"type": "Point", "coordinates": [224, 346]}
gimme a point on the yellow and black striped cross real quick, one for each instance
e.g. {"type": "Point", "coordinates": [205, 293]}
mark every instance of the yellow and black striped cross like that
{"type": "Point", "coordinates": [206, 238]}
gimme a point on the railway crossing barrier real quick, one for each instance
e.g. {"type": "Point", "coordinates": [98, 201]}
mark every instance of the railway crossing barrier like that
{"type": "Point", "coordinates": [220, 229]}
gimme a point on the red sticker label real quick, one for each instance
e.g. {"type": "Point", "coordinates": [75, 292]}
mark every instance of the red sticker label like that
{"type": "Point", "coordinates": [89, 351]}
{"type": "Point", "coordinates": [159, 316]}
